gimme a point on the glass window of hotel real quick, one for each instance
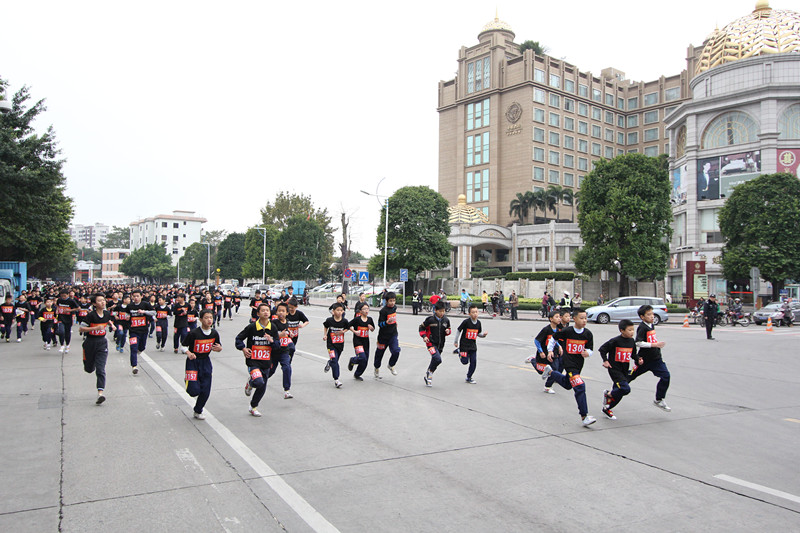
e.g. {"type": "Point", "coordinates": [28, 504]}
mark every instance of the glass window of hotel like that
{"type": "Point", "coordinates": [555, 81]}
{"type": "Point", "coordinates": [569, 179]}
{"type": "Point", "coordinates": [651, 134]}
{"type": "Point", "coordinates": [538, 115]}
{"type": "Point", "coordinates": [679, 230]}
{"type": "Point", "coordinates": [583, 127]}
{"type": "Point", "coordinates": [609, 117]}
{"type": "Point", "coordinates": [555, 120]}
{"type": "Point", "coordinates": [569, 104]}
{"type": "Point", "coordinates": [620, 103]}
{"type": "Point", "coordinates": [609, 152]}
{"type": "Point", "coordinates": [569, 124]}
{"type": "Point", "coordinates": [666, 148]}
{"type": "Point", "coordinates": [478, 186]}
{"type": "Point", "coordinates": [597, 113]}
{"type": "Point", "coordinates": [672, 94]}
{"type": "Point", "coordinates": [620, 151]}
{"type": "Point", "coordinates": [597, 149]}
{"type": "Point", "coordinates": [542, 253]}
{"type": "Point", "coordinates": [538, 135]}
{"type": "Point", "coordinates": [620, 138]}
{"type": "Point", "coordinates": [554, 158]}
{"type": "Point", "coordinates": [569, 85]}
{"type": "Point", "coordinates": [583, 109]}
{"type": "Point", "coordinates": [538, 174]}
{"type": "Point", "coordinates": [569, 161]}
{"type": "Point", "coordinates": [560, 253]}
{"type": "Point", "coordinates": [633, 120]}
{"type": "Point", "coordinates": [668, 110]}
{"type": "Point", "coordinates": [583, 163]}
{"type": "Point", "coordinates": [610, 100]}
{"type": "Point", "coordinates": [728, 129]}
{"type": "Point", "coordinates": [569, 142]}
{"type": "Point", "coordinates": [633, 151]}
{"type": "Point", "coordinates": [555, 100]}
{"type": "Point", "coordinates": [583, 145]}
{"type": "Point", "coordinates": [650, 99]}
{"type": "Point", "coordinates": [580, 181]}
{"type": "Point", "coordinates": [538, 154]}
{"type": "Point", "coordinates": [633, 138]}
{"type": "Point", "coordinates": [789, 123]}
{"type": "Point", "coordinates": [555, 139]}
{"type": "Point", "coordinates": [633, 103]}
{"type": "Point", "coordinates": [596, 131]}
{"type": "Point", "coordinates": [651, 116]}
{"type": "Point", "coordinates": [538, 75]}
{"type": "Point", "coordinates": [521, 255]}
{"type": "Point", "coordinates": [538, 95]}
{"type": "Point", "coordinates": [478, 149]}
{"type": "Point", "coordinates": [597, 96]}
{"type": "Point", "coordinates": [620, 121]}
{"type": "Point", "coordinates": [553, 176]}
{"type": "Point", "coordinates": [478, 115]}
{"type": "Point", "coordinates": [583, 90]}
{"type": "Point", "coordinates": [709, 226]}
{"type": "Point", "coordinates": [651, 151]}
{"type": "Point", "coordinates": [609, 135]}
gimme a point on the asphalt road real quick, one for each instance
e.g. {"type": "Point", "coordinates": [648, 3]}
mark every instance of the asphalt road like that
{"type": "Point", "coordinates": [395, 455]}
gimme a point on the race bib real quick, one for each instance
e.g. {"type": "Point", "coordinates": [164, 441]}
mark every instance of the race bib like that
{"type": "Point", "coordinates": [432, 350]}
{"type": "Point", "coordinates": [203, 345]}
{"type": "Point", "coordinates": [359, 349]}
{"type": "Point", "coordinates": [123, 316]}
{"type": "Point", "coordinates": [158, 329]}
{"type": "Point", "coordinates": [337, 338]}
{"type": "Point", "coordinates": [161, 314]}
{"type": "Point", "coordinates": [575, 346]}
{"type": "Point", "coordinates": [381, 346]}
{"type": "Point", "coordinates": [99, 333]}
{"type": "Point", "coordinates": [83, 312]}
{"type": "Point", "coordinates": [293, 332]}
{"type": "Point", "coordinates": [63, 309]}
{"type": "Point", "coordinates": [363, 332]}
{"type": "Point", "coordinates": [133, 341]}
{"type": "Point", "coordinates": [575, 380]}
{"type": "Point", "coordinates": [391, 319]}
{"type": "Point", "coordinates": [261, 353]}
{"type": "Point", "coordinates": [623, 355]}
{"type": "Point", "coordinates": [138, 322]}
{"type": "Point", "coordinates": [255, 374]}
{"type": "Point", "coordinates": [472, 334]}
{"type": "Point", "coordinates": [332, 354]}
{"type": "Point", "coordinates": [651, 336]}
{"type": "Point", "coordinates": [191, 375]}
{"type": "Point", "coordinates": [540, 367]}
{"type": "Point", "coordinates": [191, 318]}
{"type": "Point", "coordinates": [285, 341]}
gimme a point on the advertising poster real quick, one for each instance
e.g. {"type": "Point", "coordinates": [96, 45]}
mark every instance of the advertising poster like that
{"type": "Point", "coordinates": [701, 286]}
{"type": "Point", "coordinates": [717, 176]}
{"type": "Point", "coordinates": [788, 161]}
{"type": "Point", "coordinates": [679, 185]}
{"type": "Point", "coordinates": [708, 178]}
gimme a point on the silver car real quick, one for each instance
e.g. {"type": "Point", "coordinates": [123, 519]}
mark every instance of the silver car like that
{"type": "Point", "coordinates": [762, 315]}
{"type": "Point", "coordinates": [627, 307]}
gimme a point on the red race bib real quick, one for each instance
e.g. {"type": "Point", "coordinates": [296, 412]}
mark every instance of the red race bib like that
{"type": "Point", "coordinates": [293, 332]}
{"type": "Point", "coordinates": [472, 334]}
{"type": "Point", "coordinates": [623, 355]}
{"type": "Point", "coordinates": [138, 321]}
{"type": "Point", "coordinates": [256, 373]}
{"type": "Point", "coordinates": [391, 319]}
{"type": "Point", "coordinates": [651, 336]}
{"type": "Point", "coordinates": [337, 338]}
{"type": "Point", "coordinates": [575, 346]}
{"type": "Point", "coordinates": [285, 341]}
{"type": "Point", "coordinates": [158, 329]}
{"type": "Point", "coordinates": [575, 380]}
{"type": "Point", "coordinates": [261, 353]}
{"type": "Point", "coordinates": [363, 332]}
{"type": "Point", "coordinates": [203, 346]}
{"type": "Point", "coordinates": [100, 333]}
{"type": "Point", "coordinates": [432, 350]}
{"type": "Point", "coordinates": [332, 354]}
{"type": "Point", "coordinates": [191, 375]}
{"type": "Point", "coordinates": [359, 349]}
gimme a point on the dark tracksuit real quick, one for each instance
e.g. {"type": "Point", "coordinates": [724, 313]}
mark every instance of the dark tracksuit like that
{"type": "Point", "coordinates": [360, 329]}
{"type": "Point", "coordinates": [436, 329]}
{"type": "Point", "coordinates": [618, 351]}
{"type": "Point", "coordinates": [226, 310]}
{"type": "Point", "coordinates": [7, 310]}
{"type": "Point", "coordinates": [47, 317]}
{"type": "Point", "coordinates": [237, 301]}
{"type": "Point", "coordinates": [138, 330]}
{"type": "Point", "coordinates": [191, 318]}
{"type": "Point", "coordinates": [95, 346]}
{"type": "Point", "coordinates": [181, 324]}
{"type": "Point", "coordinates": [282, 353]}
{"type": "Point", "coordinates": [199, 369]}
{"type": "Point", "coordinates": [34, 303]}
{"type": "Point", "coordinates": [64, 326]}
{"type": "Point", "coordinates": [387, 336]}
{"type": "Point", "coordinates": [255, 336]}
{"type": "Point", "coordinates": [162, 326]}
{"type": "Point", "coordinates": [645, 337]}
{"type": "Point", "coordinates": [468, 344]}
{"type": "Point", "coordinates": [218, 303]}
{"type": "Point", "coordinates": [84, 310]}
{"type": "Point", "coordinates": [122, 319]}
{"type": "Point", "coordinates": [575, 344]}
{"type": "Point", "coordinates": [335, 341]}
{"type": "Point", "coordinates": [541, 341]}
{"type": "Point", "coordinates": [22, 310]}
{"type": "Point", "coordinates": [294, 320]}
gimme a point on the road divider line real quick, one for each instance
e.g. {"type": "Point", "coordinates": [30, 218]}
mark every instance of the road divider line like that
{"type": "Point", "coordinates": [299, 505]}
{"type": "Point", "coordinates": [760, 488]}
{"type": "Point", "coordinates": [796, 421]}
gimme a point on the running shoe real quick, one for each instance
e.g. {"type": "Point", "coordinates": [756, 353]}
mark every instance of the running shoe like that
{"type": "Point", "coordinates": [61, 349]}
{"type": "Point", "coordinates": [530, 359]}
{"type": "Point", "coordinates": [608, 413]}
{"type": "Point", "coordinates": [392, 370]}
{"type": "Point", "coordinates": [287, 395]}
{"type": "Point", "coordinates": [19, 340]}
{"type": "Point", "coordinates": [200, 416]}
{"type": "Point", "coordinates": [606, 397]}
{"type": "Point", "coordinates": [661, 404]}
{"type": "Point", "coordinates": [337, 384]}
{"type": "Point", "coordinates": [66, 350]}
{"type": "Point", "coordinates": [427, 379]}
{"type": "Point", "coordinates": [358, 378]}
{"type": "Point", "coordinates": [548, 390]}
{"type": "Point", "coordinates": [254, 411]}
{"type": "Point", "coordinates": [378, 373]}
{"type": "Point", "coordinates": [546, 372]}
{"type": "Point", "coordinates": [247, 389]}
{"type": "Point", "coordinates": [135, 370]}
{"type": "Point", "coordinates": [350, 365]}
{"type": "Point", "coordinates": [471, 381]}
{"type": "Point", "coordinates": [327, 366]}
{"type": "Point", "coordinates": [588, 420]}
{"type": "Point", "coordinates": [100, 399]}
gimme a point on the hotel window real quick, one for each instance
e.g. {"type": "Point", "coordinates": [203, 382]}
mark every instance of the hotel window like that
{"type": "Point", "coordinates": [609, 135]}
{"type": "Point", "coordinates": [555, 139]}
{"type": "Point", "coordinates": [555, 120]}
{"type": "Point", "coordinates": [610, 100]}
{"type": "Point", "coordinates": [583, 163]}
{"type": "Point", "coordinates": [569, 161]}
{"type": "Point", "coordinates": [569, 124]}
{"type": "Point", "coordinates": [597, 113]}
{"type": "Point", "coordinates": [553, 176]}
{"type": "Point", "coordinates": [555, 81]}
{"type": "Point", "coordinates": [583, 145]}
{"type": "Point", "coordinates": [478, 75]}
{"type": "Point", "coordinates": [633, 138]}
{"type": "Point", "coordinates": [633, 121]}
{"type": "Point", "coordinates": [672, 94]}
{"type": "Point", "coordinates": [478, 186]}
{"type": "Point", "coordinates": [729, 129]}
{"type": "Point", "coordinates": [597, 149]}
{"type": "Point", "coordinates": [569, 142]}
{"type": "Point", "coordinates": [666, 148]}
{"type": "Point", "coordinates": [554, 158]}
{"type": "Point", "coordinates": [560, 255]}
{"type": "Point", "coordinates": [569, 104]}
{"type": "Point", "coordinates": [651, 116]}
{"type": "Point", "coordinates": [620, 138]}
{"type": "Point", "coordinates": [609, 117]}
{"type": "Point", "coordinates": [538, 135]}
{"type": "Point", "coordinates": [668, 110]}
{"type": "Point", "coordinates": [597, 96]}
{"type": "Point", "coordinates": [596, 131]}
{"type": "Point", "coordinates": [620, 151]}
{"type": "Point", "coordinates": [478, 149]}
{"type": "Point", "coordinates": [555, 100]}
{"type": "Point", "coordinates": [175, 224]}
{"type": "Point", "coordinates": [580, 181]}
{"type": "Point", "coordinates": [633, 103]}
{"type": "Point", "coordinates": [709, 227]}
{"type": "Point", "coordinates": [583, 127]}
{"type": "Point", "coordinates": [620, 103]}
{"type": "Point", "coordinates": [569, 179]}
{"type": "Point", "coordinates": [538, 115]}
{"type": "Point", "coordinates": [583, 109]}
{"type": "Point", "coordinates": [569, 86]}
{"type": "Point", "coordinates": [538, 174]}
{"type": "Point", "coordinates": [542, 253]}
{"type": "Point", "coordinates": [609, 150]}
{"type": "Point", "coordinates": [583, 90]}
{"type": "Point", "coordinates": [650, 99]}
{"type": "Point", "coordinates": [538, 154]}
{"type": "Point", "coordinates": [651, 134]}
{"type": "Point", "coordinates": [651, 151]}
{"type": "Point", "coordinates": [538, 75]}
{"type": "Point", "coordinates": [478, 115]}
{"type": "Point", "coordinates": [620, 121]}
{"type": "Point", "coordinates": [538, 96]}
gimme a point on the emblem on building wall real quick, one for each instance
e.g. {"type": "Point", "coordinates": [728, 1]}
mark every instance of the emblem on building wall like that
{"type": "Point", "coordinates": [514, 113]}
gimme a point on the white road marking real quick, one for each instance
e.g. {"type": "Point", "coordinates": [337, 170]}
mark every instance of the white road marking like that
{"type": "Point", "coordinates": [299, 505]}
{"type": "Point", "coordinates": [792, 420]}
{"type": "Point", "coordinates": [760, 488]}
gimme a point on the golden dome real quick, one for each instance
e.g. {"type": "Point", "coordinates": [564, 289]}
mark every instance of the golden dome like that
{"type": "Point", "coordinates": [764, 31]}
{"type": "Point", "coordinates": [465, 214]}
{"type": "Point", "coordinates": [497, 24]}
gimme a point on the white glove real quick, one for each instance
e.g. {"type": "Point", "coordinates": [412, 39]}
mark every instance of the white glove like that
{"type": "Point", "coordinates": [588, 352]}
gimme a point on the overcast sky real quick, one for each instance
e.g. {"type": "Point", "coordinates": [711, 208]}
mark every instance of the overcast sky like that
{"type": "Point", "coordinates": [216, 106]}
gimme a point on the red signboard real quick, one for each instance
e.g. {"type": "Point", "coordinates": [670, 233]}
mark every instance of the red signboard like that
{"type": "Point", "coordinates": [692, 268]}
{"type": "Point", "coordinates": [788, 161]}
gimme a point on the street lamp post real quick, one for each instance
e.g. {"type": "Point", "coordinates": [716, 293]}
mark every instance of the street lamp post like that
{"type": "Point", "coordinates": [208, 264]}
{"type": "Point", "coordinates": [386, 231]}
{"type": "Point", "coordinates": [264, 262]}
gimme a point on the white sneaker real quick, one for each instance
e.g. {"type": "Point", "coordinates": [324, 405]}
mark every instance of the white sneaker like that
{"type": "Point", "coordinates": [200, 416]}
{"type": "Point", "coordinates": [548, 390]}
{"type": "Point", "coordinates": [588, 420]}
{"type": "Point", "coordinates": [286, 395]}
{"type": "Point", "coordinates": [135, 371]}
{"type": "Point", "coordinates": [546, 372]}
{"type": "Point", "coordinates": [427, 379]}
{"type": "Point", "coordinates": [47, 346]}
{"type": "Point", "coordinates": [327, 366]}
{"type": "Point", "coordinates": [337, 384]}
{"type": "Point", "coordinates": [471, 381]}
{"type": "Point", "coordinates": [661, 404]}
{"type": "Point", "coordinates": [19, 340]}
{"type": "Point", "coordinates": [66, 350]}
{"type": "Point", "coordinates": [530, 359]}
{"type": "Point", "coordinates": [254, 411]}
{"type": "Point", "coordinates": [61, 349]}
{"type": "Point", "coordinates": [247, 389]}
{"type": "Point", "coordinates": [378, 373]}
{"type": "Point", "coordinates": [392, 370]}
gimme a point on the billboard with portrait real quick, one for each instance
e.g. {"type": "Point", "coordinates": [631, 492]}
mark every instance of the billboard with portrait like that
{"type": "Point", "coordinates": [717, 176]}
{"type": "Point", "coordinates": [679, 185]}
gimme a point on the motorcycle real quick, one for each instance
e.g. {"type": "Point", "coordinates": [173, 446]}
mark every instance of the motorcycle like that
{"type": "Point", "coordinates": [733, 318]}
{"type": "Point", "coordinates": [779, 319]}
{"type": "Point", "coordinates": [695, 315]}
{"type": "Point", "coordinates": [719, 321]}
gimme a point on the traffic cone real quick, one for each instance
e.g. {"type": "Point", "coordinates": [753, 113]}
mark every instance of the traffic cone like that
{"type": "Point", "coordinates": [686, 321]}
{"type": "Point", "coordinates": [769, 325]}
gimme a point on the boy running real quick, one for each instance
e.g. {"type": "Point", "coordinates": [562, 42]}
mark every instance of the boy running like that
{"type": "Point", "coordinates": [284, 351]}
{"type": "Point", "coordinates": [256, 342]}
{"type": "Point", "coordinates": [617, 354]}
{"type": "Point", "coordinates": [197, 346]}
{"type": "Point", "coordinates": [47, 317]}
{"type": "Point", "coordinates": [361, 326]}
{"type": "Point", "coordinates": [541, 360]}
{"type": "Point", "coordinates": [297, 320]}
{"type": "Point", "coordinates": [434, 330]}
{"type": "Point", "coordinates": [139, 311]}
{"type": "Point", "coordinates": [21, 311]}
{"type": "Point", "coordinates": [95, 346]}
{"type": "Point", "coordinates": [180, 310]}
{"type": "Point", "coordinates": [335, 328]}
{"type": "Point", "coordinates": [650, 356]}
{"type": "Point", "coordinates": [7, 310]}
{"type": "Point", "coordinates": [65, 307]}
{"type": "Point", "coordinates": [387, 335]}
{"type": "Point", "coordinates": [467, 344]}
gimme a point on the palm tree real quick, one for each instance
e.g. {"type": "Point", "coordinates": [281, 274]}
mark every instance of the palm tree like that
{"type": "Point", "coordinates": [519, 208]}
{"type": "Point", "coordinates": [554, 195]}
{"type": "Point", "coordinates": [537, 201]}
{"type": "Point", "coordinates": [568, 195]}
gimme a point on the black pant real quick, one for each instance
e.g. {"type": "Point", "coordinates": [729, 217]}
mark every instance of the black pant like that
{"type": "Point", "coordinates": [710, 326]}
{"type": "Point", "coordinates": [95, 354]}
{"type": "Point", "coordinates": [514, 313]}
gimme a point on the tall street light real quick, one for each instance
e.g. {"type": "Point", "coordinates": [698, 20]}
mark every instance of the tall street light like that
{"type": "Point", "coordinates": [208, 265]}
{"type": "Point", "coordinates": [264, 262]}
{"type": "Point", "coordinates": [386, 233]}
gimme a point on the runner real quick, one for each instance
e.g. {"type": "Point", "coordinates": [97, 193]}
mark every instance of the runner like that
{"type": "Point", "coordinates": [21, 310]}
{"type": "Point", "coordinates": [84, 308]}
{"type": "Point", "coordinates": [361, 326]}
{"type": "Point", "coordinates": [297, 321]}
{"type": "Point", "coordinates": [284, 350]}
{"type": "Point", "coordinates": [255, 302]}
{"type": "Point", "coordinates": [650, 356]}
{"type": "Point", "coordinates": [335, 328]}
{"type": "Point", "coordinates": [65, 307]}
{"type": "Point", "coordinates": [93, 326]}
{"type": "Point", "coordinates": [541, 360]}
{"type": "Point", "coordinates": [227, 306]}
{"type": "Point", "coordinates": [617, 354]}
{"type": "Point", "coordinates": [237, 300]}
{"type": "Point", "coordinates": [434, 330]}
{"type": "Point", "coordinates": [7, 310]}
{"type": "Point", "coordinates": [162, 326]}
{"type": "Point", "coordinates": [219, 302]}
{"type": "Point", "coordinates": [387, 335]}
{"type": "Point", "coordinates": [180, 310]}
{"type": "Point", "coordinates": [467, 344]}
{"type": "Point", "coordinates": [140, 311]}
{"type": "Point", "coordinates": [192, 314]}
{"type": "Point", "coordinates": [47, 317]}
{"type": "Point", "coordinates": [34, 302]}
{"type": "Point", "coordinates": [121, 315]}
{"type": "Point", "coordinates": [256, 342]}
{"type": "Point", "coordinates": [197, 346]}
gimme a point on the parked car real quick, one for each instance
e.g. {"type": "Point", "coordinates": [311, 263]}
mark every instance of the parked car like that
{"type": "Point", "coordinates": [762, 315]}
{"type": "Point", "coordinates": [397, 287]}
{"type": "Point", "coordinates": [627, 307]}
{"type": "Point", "coordinates": [245, 292]}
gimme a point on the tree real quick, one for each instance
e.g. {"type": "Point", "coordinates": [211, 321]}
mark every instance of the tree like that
{"type": "Point", "coordinates": [625, 219]}
{"type": "Point", "coordinates": [538, 49]}
{"type": "Point", "coordinates": [299, 249]}
{"type": "Point", "coordinates": [344, 247]}
{"type": "Point", "coordinates": [117, 238]}
{"type": "Point", "coordinates": [538, 202]}
{"type": "Point", "coordinates": [759, 224]}
{"type": "Point", "coordinates": [418, 231]}
{"type": "Point", "coordinates": [230, 256]}
{"type": "Point", "coordinates": [519, 207]}
{"type": "Point", "coordinates": [555, 195]}
{"type": "Point", "coordinates": [194, 262]}
{"type": "Point", "coordinates": [569, 198]}
{"type": "Point", "coordinates": [550, 203]}
{"type": "Point", "coordinates": [34, 225]}
{"type": "Point", "coordinates": [89, 254]}
{"type": "Point", "coordinates": [214, 238]}
{"type": "Point", "coordinates": [254, 265]}
{"type": "Point", "coordinates": [151, 262]}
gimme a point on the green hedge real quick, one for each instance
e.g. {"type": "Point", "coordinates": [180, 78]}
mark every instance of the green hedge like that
{"type": "Point", "coordinates": [541, 276]}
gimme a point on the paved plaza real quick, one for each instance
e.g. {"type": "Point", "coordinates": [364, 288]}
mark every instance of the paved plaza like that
{"type": "Point", "coordinates": [395, 455]}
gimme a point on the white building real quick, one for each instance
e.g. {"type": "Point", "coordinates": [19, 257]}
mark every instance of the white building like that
{"type": "Point", "coordinates": [112, 259]}
{"type": "Point", "coordinates": [88, 235]}
{"type": "Point", "coordinates": [176, 232]}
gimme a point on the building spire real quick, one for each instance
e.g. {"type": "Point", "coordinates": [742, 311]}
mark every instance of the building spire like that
{"type": "Point", "coordinates": [762, 5]}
